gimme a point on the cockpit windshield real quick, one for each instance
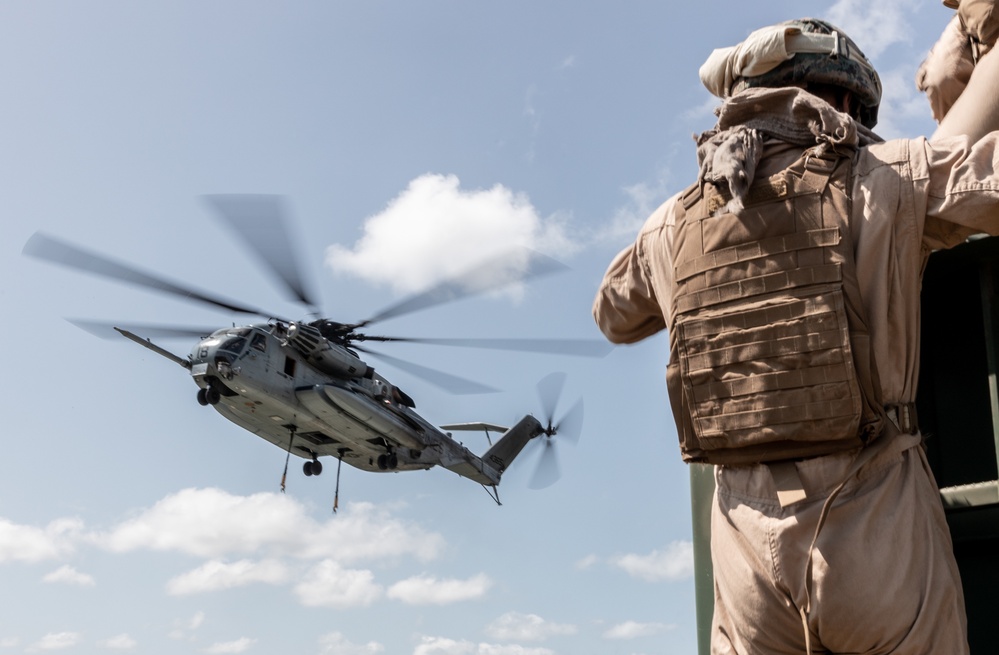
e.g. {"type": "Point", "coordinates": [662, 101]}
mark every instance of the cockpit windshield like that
{"type": "Point", "coordinates": [234, 345]}
{"type": "Point", "coordinates": [232, 340]}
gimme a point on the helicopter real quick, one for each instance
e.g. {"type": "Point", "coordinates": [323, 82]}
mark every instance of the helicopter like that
{"type": "Point", "coordinates": [303, 385]}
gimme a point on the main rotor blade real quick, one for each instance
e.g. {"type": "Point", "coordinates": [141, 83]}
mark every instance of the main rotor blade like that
{"type": "Point", "coordinates": [107, 330]}
{"type": "Point", "coordinates": [446, 381]}
{"type": "Point", "coordinates": [518, 265]}
{"type": "Point", "coordinates": [65, 254]}
{"type": "Point", "coordinates": [549, 391]}
{"type": "Point", "coordinates": [573, 347]}
{"type": "Point", "coordinates": [260, 221]}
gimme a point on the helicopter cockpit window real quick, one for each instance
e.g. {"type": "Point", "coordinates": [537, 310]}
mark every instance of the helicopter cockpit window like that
{"type": "Point", "coordinates": [234, 345]}
{"type": "Point", "coordinates": [259, 342]}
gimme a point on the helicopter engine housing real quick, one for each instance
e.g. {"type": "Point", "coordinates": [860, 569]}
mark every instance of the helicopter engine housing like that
{"type": "Point", "coordinates": [325, 356]}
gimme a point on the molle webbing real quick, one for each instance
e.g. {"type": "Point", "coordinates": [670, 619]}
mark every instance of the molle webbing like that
{"type": "Point", "coordinates": [766, 317]}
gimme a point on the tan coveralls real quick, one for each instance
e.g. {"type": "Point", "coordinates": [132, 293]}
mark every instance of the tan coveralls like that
{"type": "Point", "coordinates": [884, 577]}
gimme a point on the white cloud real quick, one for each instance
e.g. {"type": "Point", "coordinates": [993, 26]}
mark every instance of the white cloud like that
{"type": "Point", "coordinates": [676, 562]}
{"type": "Point", "coordinates": [27, 543]}
{"type": "Point", "coordinates": [183, 628]}
{"type": "Point", "coordinates": [874, 26]}
{"type": "Point", "coordinates": [511, 649]}
{"type": "Point", "coordinates": [68, 575]}
{"type": "Point", "coordinates": [330, 585]}
{"type": "Point", "coordinates": [56, 641]}
{"type": "Point", "coordinates": [237, 646]}
{"type": "Point", "coordinates": [641, 200]}
{"type": "Point", "coordinates": [335, 643]}
{"type": "Point", "coordinates": [587, 562]}
{"type": "Point", "coordinates": [427, 590]}
{"type": "Point", "coordinates": [633, 629]}
{"type": "Point", "coordinates": [514, 626]}
{"type": "Point", "coordinates": [436, 230]}
{"type": "Point", "coordinates": [902, 106]}
{"type": "Point", "coordinates": [9, 642]}
{"type": "Point", "coordinates": [216, 575]}
{"type": "Point", "coordinates": [119, 642]}
{"type": "Point", "coordinates": [213, 523]}
{"type": "Point", "coordinates": [444, 646]}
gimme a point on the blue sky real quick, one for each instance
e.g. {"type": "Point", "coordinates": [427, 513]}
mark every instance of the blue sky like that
{"type": "Point", "coordinates": [409, 138]}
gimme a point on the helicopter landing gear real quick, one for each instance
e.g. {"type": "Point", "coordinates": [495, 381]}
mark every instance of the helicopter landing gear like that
{"type": "Point", "coordinates": [388, 462]}
{"type": "Point", "coordinates": [315, 467]}
{"type": "Point", "coordinates": [209, 396]}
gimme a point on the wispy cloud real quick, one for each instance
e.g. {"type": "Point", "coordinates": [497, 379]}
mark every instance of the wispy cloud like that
{"type": "Point", "coordinates": [335, 643]}
{"type": "Point", "coordinates": [675, 562]}
{"type": "Point", "coordinates": [435, 229]}
{"type": "Point", "coordinates": [184, 628]}
{"type": "Point", "coordinates": [119, 642]}
{"type": "Point", "coordinates": [56, 641]}
{"type": "Point", "coordinates": [428, 590]}
{"type": "Point", "coordinates": [68, 575]}
{"type": "Point", "coordinates": [874, 26]}
{"type": "Point", "coordinates": [240, 645]}
{"type": "Point", "coordinates": [216, 575]}
{"type": "Point", "coordinates": [515, 626]}
{"type": "Point", "coordinates": [634, 629]}
{"type": "Point", "coordinates": [445, 646]}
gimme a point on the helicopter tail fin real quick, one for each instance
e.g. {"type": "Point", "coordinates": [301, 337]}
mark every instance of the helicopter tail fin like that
{"type": "Point", "coordinates": [506, 449]}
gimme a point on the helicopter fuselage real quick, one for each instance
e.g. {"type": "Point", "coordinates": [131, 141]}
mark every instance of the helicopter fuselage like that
{"type": "Point", "coordinates": [313, 397]}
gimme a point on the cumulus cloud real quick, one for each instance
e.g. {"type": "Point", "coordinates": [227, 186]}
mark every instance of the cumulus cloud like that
{"type": "Point", "coordinates": [213, 523]}
{"type": "Point", "coordinates": [445, 646]}
{"type": "Point", "coordinates": [56, 641]}
{"type": "Point", "coordinates": [633, 629]}
{"type": "Point", "coordinates": [216, 575]}
{"type": "Point", "coordinates": [514, 626]}
{"type": "Point", "coordinates": [436, 230]}
{"type": "Point", "coordinates": [335, 643]}
{"type": "Point", "coordinates": [675, 562]}
{"type": "Point", "coordinates": [330, 585]}
{"type": "Point", "coordinates": [119, 642]}
{"type": "Point", "coordinates": [68, 575]}
{"type": "Point", "coordinates": [27, 543]}
{"type": "Point", "coordinates": [237, 646]}
{"type": "Point", "coordinates": [427, 590]}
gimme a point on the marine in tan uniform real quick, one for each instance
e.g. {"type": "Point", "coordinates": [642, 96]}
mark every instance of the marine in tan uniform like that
{"type": "Point", "coordinates": [846, 551]}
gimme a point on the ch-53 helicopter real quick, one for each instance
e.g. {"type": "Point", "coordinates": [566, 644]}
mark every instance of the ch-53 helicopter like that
{"type": "Point", "coordinates": [303, 386]}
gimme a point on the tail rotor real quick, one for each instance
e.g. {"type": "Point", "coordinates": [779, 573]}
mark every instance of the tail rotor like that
{"type": "Point", "coordinates": [569, 427]}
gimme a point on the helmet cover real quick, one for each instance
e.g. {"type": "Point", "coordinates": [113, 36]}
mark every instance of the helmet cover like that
{"type": "Point", "coordinates": [849, 69]}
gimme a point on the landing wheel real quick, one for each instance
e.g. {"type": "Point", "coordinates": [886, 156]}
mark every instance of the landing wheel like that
{"type": "Point", "coordinates": [393, 461]}
{"type": "Point", "coordinates": [317, 467]}
{"type": "Point", "coordinates": [202, 397]}
{"type": "Point", "coordinates": [307, 469]}
{"type": "Point", "coordinates": [212, 395]}
{"type": "Point", "coordinates": [382, 463]}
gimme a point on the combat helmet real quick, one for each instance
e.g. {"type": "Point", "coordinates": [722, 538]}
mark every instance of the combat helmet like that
{"type": "Point", "coordinates": [820, 53]}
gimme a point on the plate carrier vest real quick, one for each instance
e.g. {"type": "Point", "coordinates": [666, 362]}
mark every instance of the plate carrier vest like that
{"type": "Point", "coordinates": [770, 356]}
